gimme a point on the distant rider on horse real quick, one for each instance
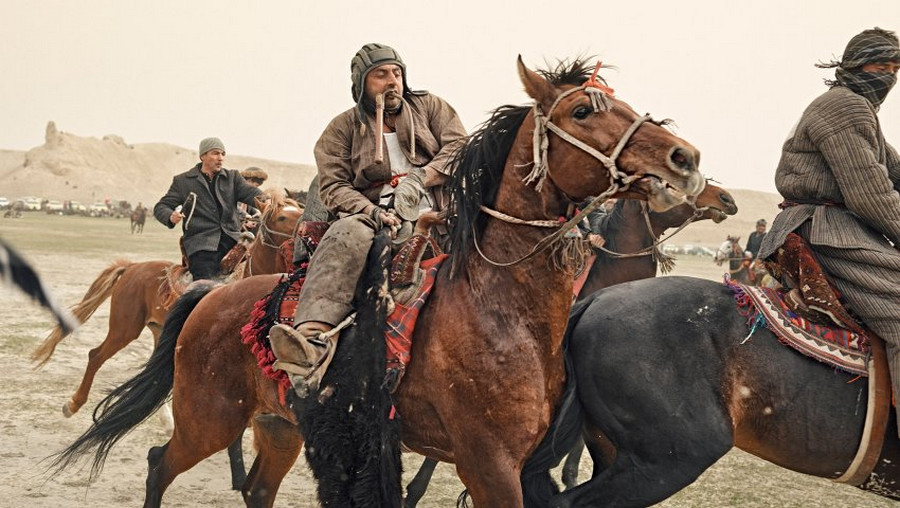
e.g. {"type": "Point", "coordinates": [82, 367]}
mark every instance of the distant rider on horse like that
{"type": "Point", "coordinates": [839, 179]}
{"type": "Point", "coordinates": [365, 194]}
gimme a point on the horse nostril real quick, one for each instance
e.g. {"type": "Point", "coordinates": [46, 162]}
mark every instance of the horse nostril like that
{"type": "Point", "coordinates": [682, 159]}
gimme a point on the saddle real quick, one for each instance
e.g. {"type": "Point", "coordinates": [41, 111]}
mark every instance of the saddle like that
{"type": "Point", "coordinates": [808, 292]}
{"type": "Point", "coordinates": [412, 274]}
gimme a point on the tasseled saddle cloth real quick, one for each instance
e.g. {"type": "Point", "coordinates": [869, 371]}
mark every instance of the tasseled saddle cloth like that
{"type": "Point", "coordinates": [807, 314]}
{"type": "Point", "coordinates": [412, 277]}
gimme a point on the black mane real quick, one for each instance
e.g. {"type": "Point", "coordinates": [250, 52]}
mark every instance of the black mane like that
{"type": "Point", "coordinates": [479, 162]}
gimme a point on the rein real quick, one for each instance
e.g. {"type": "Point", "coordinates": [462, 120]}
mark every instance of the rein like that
{"type": "Point", "coordinates": [665, 261]}
{"type": "Point", "coordinates": [265, 238]}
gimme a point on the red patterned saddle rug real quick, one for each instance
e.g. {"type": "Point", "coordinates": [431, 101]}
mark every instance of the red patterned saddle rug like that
{"type": "Point", "coordinates": [838, 347]}
{"type": "Point", "coordinates": [280, 305]}
{"type": "Point", "coordinates": [808, 315]}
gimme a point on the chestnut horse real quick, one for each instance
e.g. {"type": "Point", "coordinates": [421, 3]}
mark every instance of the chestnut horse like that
{"type": "Point", "coordinates": [136, 301]}
{"type": "Point", "coordinates": [631, 233]}
{"type": "Point", "coordinates": [668, 390]}
{"type": "Point", "coordinates": [500, 371]}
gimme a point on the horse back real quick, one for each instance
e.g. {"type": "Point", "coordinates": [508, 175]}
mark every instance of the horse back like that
{"type": "Point", "coordinates": [676, 351]}
{"type": "Point", "coordinates": [211, 357]}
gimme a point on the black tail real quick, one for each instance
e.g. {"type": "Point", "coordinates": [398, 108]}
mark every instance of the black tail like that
{"type": "Point", "coordinates": [136, 399]}
{"type": "Point", "coordinates": [565, 429]}
{"type": "Point", "coordinates": [16, 271]}
{"type": "Point", "coordinates": [352, 441]}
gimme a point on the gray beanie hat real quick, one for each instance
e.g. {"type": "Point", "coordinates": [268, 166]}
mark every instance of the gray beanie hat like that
{"type": "Point", "coordinates": [211, 144]}
{"type": "Point", "coordinates": [367, 58]}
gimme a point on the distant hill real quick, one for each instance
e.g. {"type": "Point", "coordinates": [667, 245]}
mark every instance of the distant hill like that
{"type": "Point", "coordinates": [87, 169]}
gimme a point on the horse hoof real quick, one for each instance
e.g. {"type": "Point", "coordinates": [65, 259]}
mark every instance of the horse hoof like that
{"type": "Point", "coordinates": [67, 409]}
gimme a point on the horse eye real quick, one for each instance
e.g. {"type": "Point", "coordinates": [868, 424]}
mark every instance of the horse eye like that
{"type": "Point", "coordinates": [581, 112]}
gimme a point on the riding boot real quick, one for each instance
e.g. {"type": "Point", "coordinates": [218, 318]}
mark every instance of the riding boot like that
{"type": "Point", "coordinates": [304, 353]}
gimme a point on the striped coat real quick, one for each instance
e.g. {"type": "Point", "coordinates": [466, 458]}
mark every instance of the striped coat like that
{"type": "Point", "coordinates": [837, 154]}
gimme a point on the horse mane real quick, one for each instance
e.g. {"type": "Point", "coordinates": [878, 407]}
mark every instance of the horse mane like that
{"type": "Point", "coordinates": [277, 200]}
{"type": "Point", "coordinates": [478, 163]}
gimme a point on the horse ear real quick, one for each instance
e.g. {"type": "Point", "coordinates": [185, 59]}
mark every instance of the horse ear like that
{"type": "Point", "coordinates": [536, 86]}
{"type": "Point", "coordinates": [261, 204]}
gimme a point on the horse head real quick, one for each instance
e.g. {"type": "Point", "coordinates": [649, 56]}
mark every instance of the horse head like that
{"type": "Point", "coordinates": [280, 216]}
{"type": "Point", "coordinates": [590, 141]}
{"type": "Point", "coordinates": [713, 203]}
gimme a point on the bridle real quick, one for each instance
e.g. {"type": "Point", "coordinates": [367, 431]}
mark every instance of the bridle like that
{"type": "Point", "coordinates": [265, 236]}
{"type": "Point", "coordinates": [618, 181]}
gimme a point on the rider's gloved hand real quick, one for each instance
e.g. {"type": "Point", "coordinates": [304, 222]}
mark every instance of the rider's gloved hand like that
{"type": "Point", "coordinates": [383, 218]}
{"type": "Point", "coordinates": [409, 193]}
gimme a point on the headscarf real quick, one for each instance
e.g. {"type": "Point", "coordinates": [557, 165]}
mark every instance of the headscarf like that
{"type": "Point", "coordinates": [869, 46]}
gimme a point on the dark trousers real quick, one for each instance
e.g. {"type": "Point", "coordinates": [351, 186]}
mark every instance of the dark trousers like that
{"type": "Point", "coordinates": [206, 264]}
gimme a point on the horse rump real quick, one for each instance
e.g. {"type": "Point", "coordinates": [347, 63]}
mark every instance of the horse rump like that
{"type": "Point", "coordinates": [136, 399]}
{"type": "Point", "coordinates": [352, 433]}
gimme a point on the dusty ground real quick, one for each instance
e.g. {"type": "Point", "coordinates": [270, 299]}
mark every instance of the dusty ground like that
{"type": "Point", "coordinates": [71, 251]}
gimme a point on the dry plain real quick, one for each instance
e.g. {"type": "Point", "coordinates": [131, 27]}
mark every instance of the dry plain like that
{"type": "Point", "coordinates": [71, 251]}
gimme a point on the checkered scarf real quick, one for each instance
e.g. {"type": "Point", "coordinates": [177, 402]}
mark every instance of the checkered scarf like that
{"type": "Point", "coordinates": [870, 46]}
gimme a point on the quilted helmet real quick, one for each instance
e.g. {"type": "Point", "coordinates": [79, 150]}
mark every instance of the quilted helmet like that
{"type": "Point", "coordinates": [367, 58]}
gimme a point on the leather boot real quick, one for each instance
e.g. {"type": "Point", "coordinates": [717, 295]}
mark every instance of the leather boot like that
{"type": "Point", "coordinates": [303, 352]}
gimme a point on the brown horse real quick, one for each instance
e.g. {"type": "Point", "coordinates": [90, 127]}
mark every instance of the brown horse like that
{"type": "Point", "coordinates": [138, 218]}
{"type": "Point", "coordinates": [631, 232]}
{"type": "Point", "coordinates": [499, 372]}
{"type": "Point", "coordinates": [138, 297]}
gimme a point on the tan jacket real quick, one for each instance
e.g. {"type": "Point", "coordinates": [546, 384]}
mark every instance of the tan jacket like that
{"type": "Point", "coordinates": [350, 181]}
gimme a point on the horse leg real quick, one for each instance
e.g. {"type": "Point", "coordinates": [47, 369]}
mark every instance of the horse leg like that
{"type": "Point", "coordinates": [493, 480]}
{"type": "Point", "coordinates": [194, 439]}
{"type": "Point", "coordinates": [416, 488]}
{"type": "Point", "coordinates": [236, 460]}
{"type": "Point", "coordinates": [279, 443]}
{"type": "Point", "coordinates": [125, 325]}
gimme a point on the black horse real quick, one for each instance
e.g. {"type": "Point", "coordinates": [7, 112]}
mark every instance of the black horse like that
{"type": "Point", "coordinates": [668, 385]}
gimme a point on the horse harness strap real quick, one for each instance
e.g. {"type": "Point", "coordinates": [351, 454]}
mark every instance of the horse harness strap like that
{"type": "Point", "coordinates": [877, 414]}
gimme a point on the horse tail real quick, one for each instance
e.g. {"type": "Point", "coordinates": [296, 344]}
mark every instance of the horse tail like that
{"type": "Point", "coordinates": [352, 434]}
{"type": "Point", "coordinates": [562, 435]}
{"type": "Point", "coordinates": [136, 399]}
{"type": "Point", "coordinates": [99, 292]}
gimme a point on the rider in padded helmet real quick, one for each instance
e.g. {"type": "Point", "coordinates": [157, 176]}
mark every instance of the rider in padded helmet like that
{"type": "Point", "coordinates": [420, 133]}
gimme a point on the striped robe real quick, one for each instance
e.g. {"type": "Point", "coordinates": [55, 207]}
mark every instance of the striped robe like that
{"type": "Point", "coordinates": [837, 154]}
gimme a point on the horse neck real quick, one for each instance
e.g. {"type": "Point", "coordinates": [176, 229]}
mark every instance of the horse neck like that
{"type": "Point", "coordinates": [626, 232]}
{"type": "Point", "coordinates": [532, 294]}
{"type": "Point", "coordinates": [261, 257]}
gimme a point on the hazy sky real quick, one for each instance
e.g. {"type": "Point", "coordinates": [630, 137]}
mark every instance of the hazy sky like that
{"type": "Point", "coordinates": [267, 76]}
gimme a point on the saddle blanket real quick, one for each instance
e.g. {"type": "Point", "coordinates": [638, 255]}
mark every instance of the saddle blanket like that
{"type": "Point", "coordinates": [840, 348]}
{"type": "Point", "coordinates": [280, 305]}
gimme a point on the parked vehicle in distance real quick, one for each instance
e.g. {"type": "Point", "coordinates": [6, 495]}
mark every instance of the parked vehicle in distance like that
{"type": "Point", "coordinates": [4, 203]}
{"type": "Point", "coordinates": [53, 206]}
{"type": "Point", "coordinates": [98, 209]}
{"type": "Point", "coordinates": [76, 208]}
{"type": "Point", "coordinates": [32, 203]}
